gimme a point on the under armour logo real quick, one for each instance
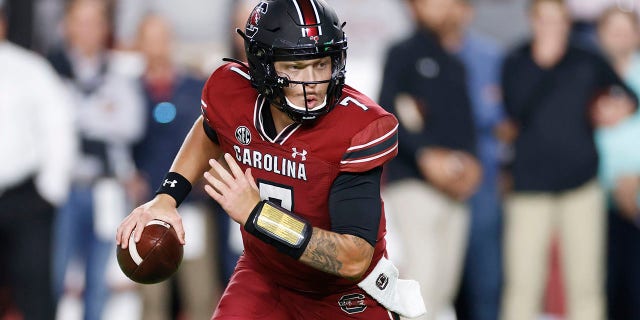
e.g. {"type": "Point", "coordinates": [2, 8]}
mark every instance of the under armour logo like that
{"type": "Point", "coordinates": [303, 154]}
{"type": "Point", "coordinates": [172, 183]}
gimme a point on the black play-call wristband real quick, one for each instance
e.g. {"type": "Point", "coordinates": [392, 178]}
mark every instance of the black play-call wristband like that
{"type": "Point", "coordinates": [279, 227]}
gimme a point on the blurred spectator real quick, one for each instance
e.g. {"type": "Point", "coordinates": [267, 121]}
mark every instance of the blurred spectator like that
{"type": "Point", "coordinates": [38, 148]}
{"type": "Point", "coordinates": [585, 13]}
{"type": "Point", "coordinates": [384, 21]}
{"type": "Point", "coordinates": [202, 27]}
{"type": "Point", "coordinates": [35, 24]}
{"type": "Point", "coordinates": [548, 86]}
{"type": "Point", "coordinates": [193, 20]}
{"type": "Point", "coordinates": [47, 32]}
{"type": "Point", "coordinates": [589, 10]}
{"type": "Point", "coordinates": [436, 171]}
{"type": "Point", "coordinates": [619, 34]}
{"type": "Point", "coordinates": [241, 9]}
{"type": "Point", "coordinates": [20, 22]}
{"type": "Point", "coordinates": [505, 20]}
{"type": "Point", "coordinates": [203, 35]}
{"type": "Point", "coordinates": [172, 106]}
{"type": "Point", "coordinates": [108, 109]}
{"type": "Point", "coordinates": [480, 290]}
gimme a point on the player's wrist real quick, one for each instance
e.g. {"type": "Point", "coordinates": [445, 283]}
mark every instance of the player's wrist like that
{"type": "Point", "coordinates": [166, 199]}
{"type": "Point", "coordinates": [281, 228]}
{"type": "Point", "coordinates": [243, 220]}
{"type": "Point", "coordinates": [175, 186]}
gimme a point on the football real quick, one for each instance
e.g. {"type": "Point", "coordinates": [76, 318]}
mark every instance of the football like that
{"type": "Point", "coordinates": [155, 258]}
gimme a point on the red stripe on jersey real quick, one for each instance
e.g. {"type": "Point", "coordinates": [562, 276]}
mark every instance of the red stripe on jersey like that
{"type": "Point", "coordinates": [307, 12]}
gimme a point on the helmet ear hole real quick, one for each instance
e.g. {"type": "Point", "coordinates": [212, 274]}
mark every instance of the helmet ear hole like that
{"type": "Point", "coordinates": [260, 53]}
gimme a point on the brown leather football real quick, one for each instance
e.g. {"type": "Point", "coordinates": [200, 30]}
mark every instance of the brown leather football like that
{"type": "Point", "coordinates": [155, 258]}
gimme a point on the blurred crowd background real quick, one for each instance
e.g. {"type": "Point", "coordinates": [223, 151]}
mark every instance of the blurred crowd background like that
{"type": "Point", "coordinates": [515, 194]}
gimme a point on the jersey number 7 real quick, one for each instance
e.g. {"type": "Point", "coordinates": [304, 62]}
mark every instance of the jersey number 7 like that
{"type": "Point", "coordinates": [276, 193]}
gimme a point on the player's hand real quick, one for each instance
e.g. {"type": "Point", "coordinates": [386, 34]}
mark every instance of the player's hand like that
{"type": "Point", "coordinates": [455, 173]}
{"type": "Point", "coordinates": [235, 191]}
{"type": "Point", "coordinates": [506, 131]}
{"type": "Point", "coordinates": [437, 168]}
{"type": "Point", "coordinates": [161, 207]}
{"type": "Point", "coordinates": [610, 109]}
{"type": "Point", "coordinates": [466, 184]}
{"type": "Point", "coordinates": [625, 196]}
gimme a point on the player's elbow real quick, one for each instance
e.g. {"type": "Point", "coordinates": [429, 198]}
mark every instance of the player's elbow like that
{"type": "Point", "coordinates": [358, 259]}
{"type": "Point", "coordinates": [355, 270]}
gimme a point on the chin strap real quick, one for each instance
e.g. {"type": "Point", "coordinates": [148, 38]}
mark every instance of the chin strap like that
{"type": "Point", "coordinates": [292, 105]}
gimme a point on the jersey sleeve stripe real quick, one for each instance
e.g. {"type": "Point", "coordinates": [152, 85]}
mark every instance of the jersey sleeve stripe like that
{"type": "Point", "coordinates": [385, 136]}
{"type": "Point", "coordinates": [203, 110]}
{"type": "Point", "coordinates": [390, 142]}
{"type": "Point", "coordinates": [392, 149]}
{"type": "Point", "coordinates": [240, 72]}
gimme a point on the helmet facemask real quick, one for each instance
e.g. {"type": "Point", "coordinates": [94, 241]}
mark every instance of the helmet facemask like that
{"type": "Point", "coordinates": [302, 113]}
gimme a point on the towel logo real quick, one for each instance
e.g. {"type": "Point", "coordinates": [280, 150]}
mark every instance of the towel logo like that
{"type": "Point", "coordinates": [382, 281]}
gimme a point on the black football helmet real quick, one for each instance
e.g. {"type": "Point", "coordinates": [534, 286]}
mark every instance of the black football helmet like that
{"type": "Point", "coordinates": [286, 30]}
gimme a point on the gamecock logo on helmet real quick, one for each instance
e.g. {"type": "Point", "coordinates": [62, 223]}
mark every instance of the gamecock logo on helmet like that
{"type": "Point", "coordinates": [254, 18]}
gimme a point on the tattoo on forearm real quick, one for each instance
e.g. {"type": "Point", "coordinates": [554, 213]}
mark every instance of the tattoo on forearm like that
{"type": "Point", "coordinates": [322, 252]}
{"type": "Point", "coordinates": [361, 244]}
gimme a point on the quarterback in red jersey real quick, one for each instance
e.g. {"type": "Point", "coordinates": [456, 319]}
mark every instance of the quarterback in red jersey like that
{"type": "Point", "coordinates": [295, 157]}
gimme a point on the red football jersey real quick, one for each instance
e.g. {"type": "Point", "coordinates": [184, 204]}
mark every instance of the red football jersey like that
{"type": "Point", "coordinates": [298, 167]}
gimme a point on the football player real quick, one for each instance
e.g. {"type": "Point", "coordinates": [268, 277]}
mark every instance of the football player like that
{"type": "Point", "coordinates": [295, 157]}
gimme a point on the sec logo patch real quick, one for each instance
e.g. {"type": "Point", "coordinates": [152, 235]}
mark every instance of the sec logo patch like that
{"type": "Point", "coordinates": [243, 135]}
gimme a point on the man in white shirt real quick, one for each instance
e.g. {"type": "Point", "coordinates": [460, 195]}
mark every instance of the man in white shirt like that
{"type": "Point", "coordinates": [109, 117]}
{"type": "Point", "coordinates": [38, 145]}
